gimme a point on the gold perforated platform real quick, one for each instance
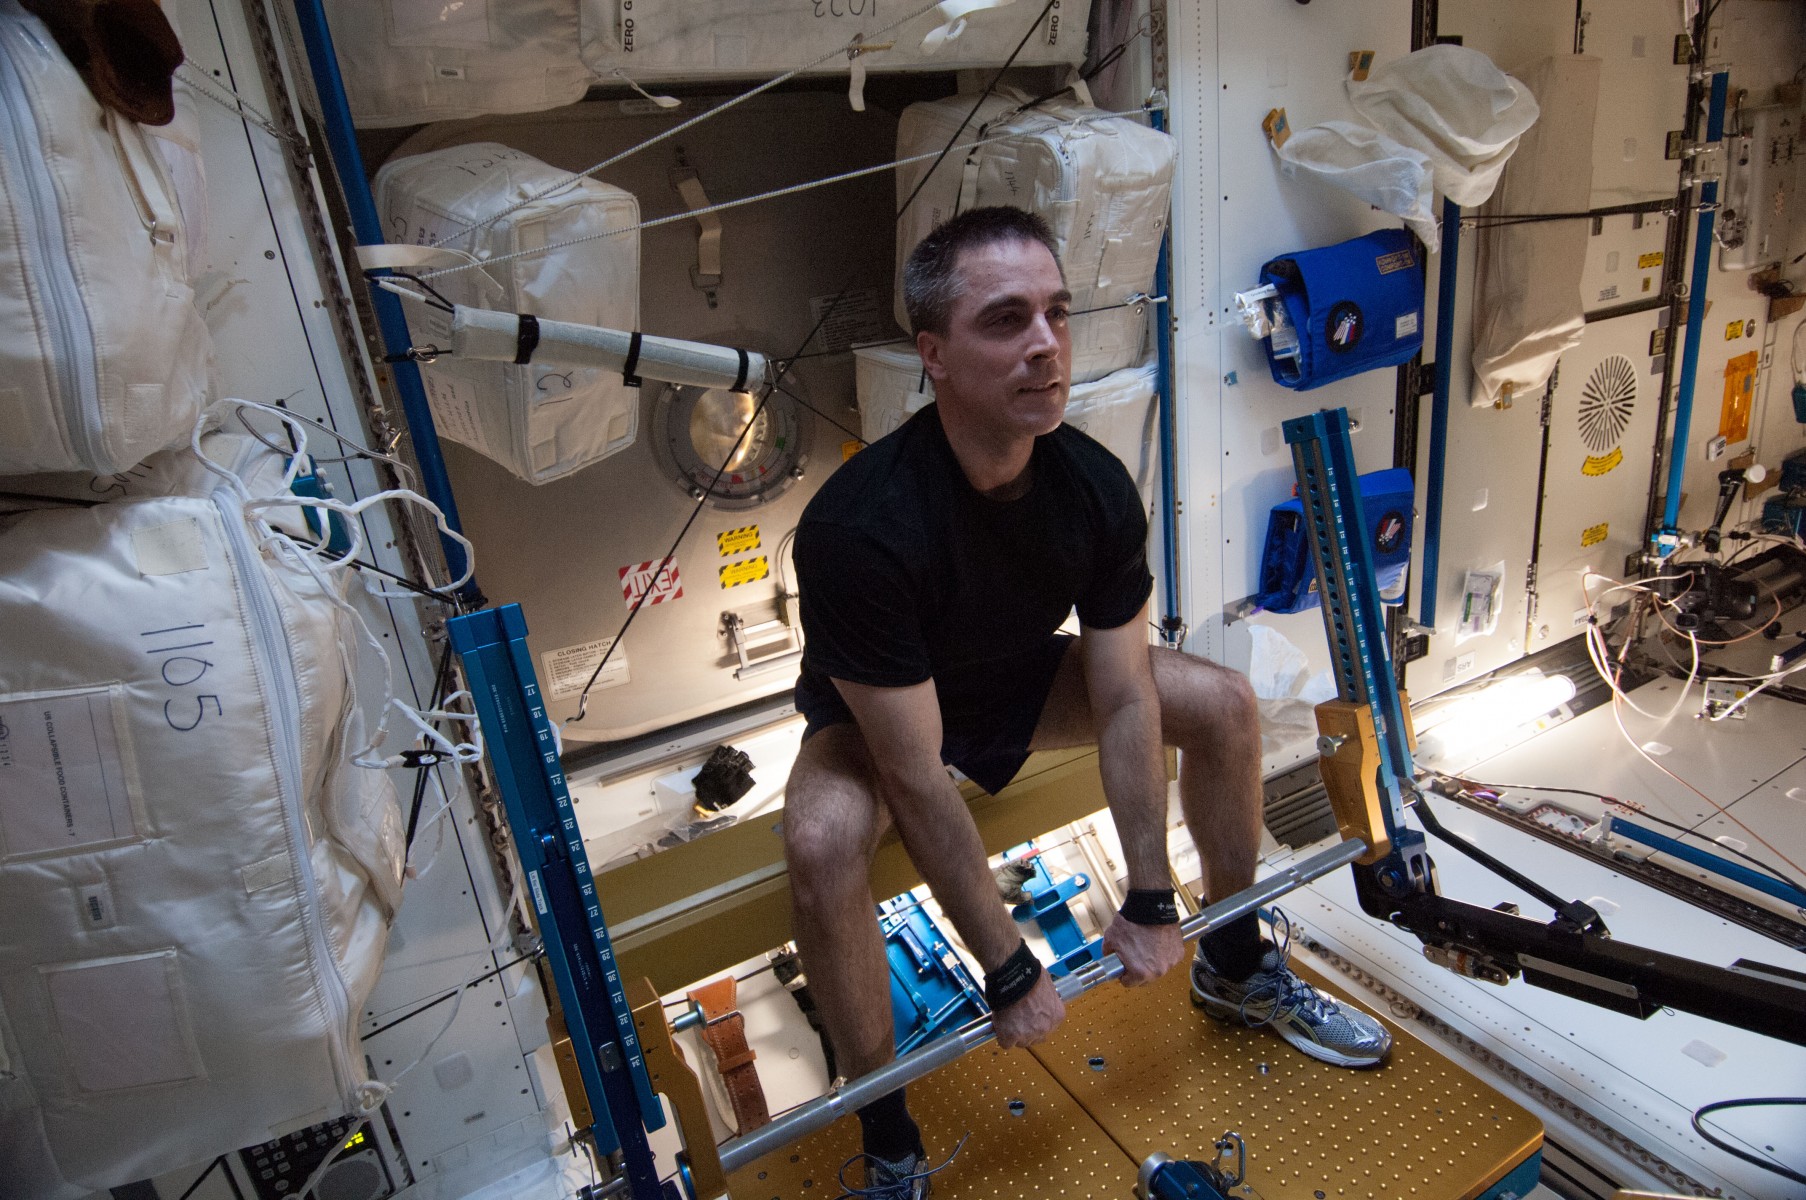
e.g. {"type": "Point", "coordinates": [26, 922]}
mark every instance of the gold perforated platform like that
{"type": "Point", "coordinates": [1173, 1080]}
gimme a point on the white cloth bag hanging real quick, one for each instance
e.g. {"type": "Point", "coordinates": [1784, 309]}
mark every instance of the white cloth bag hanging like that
{"type": "Point", "coordinates": [1102, 183]}
{"type": "Point", "coordinates": [679, 39]}
{"type": "Point", "coordinates": [540, 421]}
{"type": "Point", "coordinates": [195, 885]}
{"type": "Point", "coordinates": [103, 357]}
{"type": "Point", "coordinates": [1366, 163]}
{"type": "Point", "coordinates": [1528, 307]}
{"type": "Point", "coordinates": [1454, 106]}
{"type": "Point", "coordinates": [409, 61]}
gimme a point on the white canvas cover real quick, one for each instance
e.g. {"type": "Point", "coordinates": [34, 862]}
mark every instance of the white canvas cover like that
{"type": "Point", "coordinates": [539, 421]}
{"type": "Point", "coordinates": [103, 357]}
{"type": "Point", "coordinates": [195, 886]}
{"type": "Point", "coordinates": [1365, 162]}
{"type": "Point", "coordinates": [1528, 309]}
{"type": "Point", "coordinates": [1117, 410]}
{"type": "Point", "coordinates": [1102, 183]}
{"type": "Point", "coordinates": [409, 61]}
{"type": "Point", "coordinates": [676, 39]}
{"type": "Point", "coordinates": [1453, 105]}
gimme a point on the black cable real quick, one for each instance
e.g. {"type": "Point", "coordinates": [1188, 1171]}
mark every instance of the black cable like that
{"type": "Point", "coordinates": [784, 371]}
{"type": "Point", "coordinates": [1497, 866]}
{"type": "Point", "coordinates": [202, 1177]}
{"type": "Point", "coordinates": [470, 983]}
{"type": "Point", "coordinates": [1752, 1102]}
{"type": "Point", "coordinates": [852, 433]}
{"type": "Point", "coordinates": [437, 299]}
{"type": "Point", "coordinates": [441, 680]}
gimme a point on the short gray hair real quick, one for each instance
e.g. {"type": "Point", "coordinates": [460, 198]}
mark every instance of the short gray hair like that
{"type": "Point", "coordinates": [931, 276]}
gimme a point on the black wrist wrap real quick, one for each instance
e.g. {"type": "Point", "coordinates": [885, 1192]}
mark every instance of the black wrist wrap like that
{"type": "Point", "coordinates": [1150, 906]}
{"type": "Point", "coordinates": [1013, 979]}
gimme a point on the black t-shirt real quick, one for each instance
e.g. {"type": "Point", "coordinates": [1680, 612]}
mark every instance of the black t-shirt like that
{"type": "Point", "coordinates": [906, 572]}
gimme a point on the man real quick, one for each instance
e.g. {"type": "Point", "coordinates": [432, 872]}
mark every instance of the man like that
{"type": "Point", "coordinates": [934, 568]}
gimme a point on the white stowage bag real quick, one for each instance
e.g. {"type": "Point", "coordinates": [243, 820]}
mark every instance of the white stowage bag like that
{"type": "Point", "coordinates": [1102, 183]}
{"type": "Point", "coordinates": [195, 884]}
{"type": "Point", "coordinates": [1364, 162]}
{"type": "Point", "coordinates": [1528, 308]}
{"type": "Point", "coordinates": [409, 61]}
{"type": "Point", "coordinates": [1453, 105]}
{"type": "Point", "coordinates": [1117, 410]}
{"type": "Point", "coordinates": [676, 39]}
{"type": "Point", "coordinates": [539, 421]}
{"type": "Point", "coordinates": [103, 358]}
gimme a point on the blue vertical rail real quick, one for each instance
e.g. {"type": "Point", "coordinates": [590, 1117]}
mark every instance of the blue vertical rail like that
{"type": "Point", "coordinates": [522, 750]}
{"type": "Point", "coordinates": [341, 142]}
{"type": "Point", "coordinates": [1447, 274]}
{"type": "Point", "coordinates": [1171, 622]}
{"type": "Point", "coordinates": [1696, 321]}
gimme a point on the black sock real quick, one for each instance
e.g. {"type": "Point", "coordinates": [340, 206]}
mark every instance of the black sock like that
{"type": "Point", "coordinates": [1235, 949]}
{"type": "Point", "coordinates": [890, 1132]}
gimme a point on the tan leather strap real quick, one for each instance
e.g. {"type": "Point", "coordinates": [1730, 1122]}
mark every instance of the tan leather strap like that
{"type": "Point", "coordinates": [724, 1032]}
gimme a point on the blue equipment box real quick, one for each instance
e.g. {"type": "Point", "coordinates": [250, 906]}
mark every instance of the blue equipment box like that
{"type": "Point", "coordinates": [1352, 307]}
{"type": "Point", "coordinates": [1288, 582]}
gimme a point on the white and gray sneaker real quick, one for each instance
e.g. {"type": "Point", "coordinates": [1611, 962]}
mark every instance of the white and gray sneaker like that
{"type": "Point", "coordinates": [1311, 1019]}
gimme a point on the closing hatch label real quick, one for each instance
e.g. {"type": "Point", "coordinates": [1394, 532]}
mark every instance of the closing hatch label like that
{"type": "Point", "coordinates": [565, 671]}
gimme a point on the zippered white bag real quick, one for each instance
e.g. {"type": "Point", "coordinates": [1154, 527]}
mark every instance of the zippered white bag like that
{"type": "Point", "coordinates": [409, 61]}
{"type": "Point", "coordinates": [1102, 183]}
{"type": "Point", "coordinates": [195, 883]}
{"type": "Point", "coordinates": [103, 357]}
{"type": "Point", "coordinates": [540, 421]}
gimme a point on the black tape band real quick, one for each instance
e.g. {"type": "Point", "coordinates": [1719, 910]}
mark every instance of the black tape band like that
{"type": "Point", "coordinates": [633, 361]}
{"type": "Point", "coordinates": [1013, 979]}
{"type": "Point", "coordinates": [745, 365]}
{"type": "Point", "coordinates": [1150, 906]}
{"type": "Point", "coordinates": [526, 341]}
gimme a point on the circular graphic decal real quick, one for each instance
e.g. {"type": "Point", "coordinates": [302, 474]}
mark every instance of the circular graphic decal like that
{"type": "Point", "coordinates": [1606, 401]}
{"type": "Point", "coordinates": [1389, 532]}
{"type": "Point", "coordinates": [1346, 325]}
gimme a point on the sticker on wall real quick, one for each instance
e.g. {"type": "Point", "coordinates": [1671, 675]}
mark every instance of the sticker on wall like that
{"type": "Point", "coordinates": [737, 541]}
{"type": "Point", "coordinates": [567, 670]}
{"type": "Point", "coordinates": [1606, 402]}
{"type": "Point", "coordinates": [1592, 535]}
{"type": "Point", "coordinates": [850, 447]}
{"type": "Point", "coordinates": [1739, 397]}
{"type": "Point", "coordinates": [638, 580]}
{"type": "Point", "coordinates": [1647, 261]}
{"type": "Point", "coordinates": [745, 571]}
{"type": "Point", "coordinates": [1733, 331]}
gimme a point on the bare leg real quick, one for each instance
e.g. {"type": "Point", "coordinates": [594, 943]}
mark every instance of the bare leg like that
{"type": "Point", "coordinates": [832, 822]}
{"type": "Point", "coordinates": [1209, 713]}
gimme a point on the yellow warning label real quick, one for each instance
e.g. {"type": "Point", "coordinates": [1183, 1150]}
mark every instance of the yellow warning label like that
{"type": "Point", "coordinates": [1602, 464]}
{"type": "Point", "coordinates": [737, 541]}
{"type": "Point", "coordinates": [1733, 331]}
{"type": "Point", "coordinates": [1592, 535]}
{"type": "Point", "coordinates": [1652, 259]}
{"type": "Point", "coordinates": [746, 571]}
{"type": "Point", "coordinates": [849, 448]}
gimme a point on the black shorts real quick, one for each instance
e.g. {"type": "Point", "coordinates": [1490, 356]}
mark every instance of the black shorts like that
{"type": "Point", "coordinates": [988, 750]}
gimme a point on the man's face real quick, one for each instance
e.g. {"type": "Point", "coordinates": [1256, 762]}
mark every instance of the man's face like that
{"type": "Point", "coordinates": [1005, 362]}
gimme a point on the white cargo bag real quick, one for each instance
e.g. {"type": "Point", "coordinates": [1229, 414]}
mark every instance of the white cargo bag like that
{"type": "Point", "coordinates": [409, 61]}
{"type": "Point", "coordinates": [1528, 307]}
{"type": "Point", "coordinates": [539, 421]}
{"type": "Point", "coordinates": [103, 358]}
{"type": "Point", "coordinates": [677, 39]}
{"type": "Point", "coordinates": [1102, 183]}
{"type": "Point", "coordinates": [195, 886]}
{"type": "Point", "coordinates": [1117, 410]}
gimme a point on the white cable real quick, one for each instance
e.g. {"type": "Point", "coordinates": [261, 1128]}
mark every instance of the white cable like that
{"type": "Point", "coordinates": [680, 127]}
{"type": "Point", "coordinates": [778, 193]}
{"type": "Point", "coordinates": [1744, 699]}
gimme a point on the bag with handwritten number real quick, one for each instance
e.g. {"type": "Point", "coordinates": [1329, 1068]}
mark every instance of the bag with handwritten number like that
{"type": "Point", "coordinates": [1355, 306]}
{"type": "Point", "coordinates": [195, 883]}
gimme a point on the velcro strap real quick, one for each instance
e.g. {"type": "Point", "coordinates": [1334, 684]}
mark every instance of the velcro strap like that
{"type": "Point", "coordinates": [629, 367]}
{"type": "Point", "coordinates": [745, 365]}
{"type": "Point", "coordinates": [527, 340]}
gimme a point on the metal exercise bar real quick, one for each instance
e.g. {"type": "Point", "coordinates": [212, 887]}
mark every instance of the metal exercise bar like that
{"type": "Point", "coordinates": [1696, 323]}
{"type": "Point", "coordinates": [348, 160]}
{"type": "Point", "coordinates": [1448, 272]}
{"type": "Point", "coordinates": [523, 754]}
{"type": "Point", "coordinates": [820, 1113]}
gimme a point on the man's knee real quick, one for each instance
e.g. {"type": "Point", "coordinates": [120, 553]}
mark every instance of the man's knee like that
{"type": "Point", "coordinates": [832, 818]}
{"type": "Point", "coordinates": [1202, 699]}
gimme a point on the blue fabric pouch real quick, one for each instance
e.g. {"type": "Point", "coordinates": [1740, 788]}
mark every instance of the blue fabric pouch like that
{"type": "Point", "coordinates": [1288, 583]}
{"type": "Point", "coordinates": [1356, 306]}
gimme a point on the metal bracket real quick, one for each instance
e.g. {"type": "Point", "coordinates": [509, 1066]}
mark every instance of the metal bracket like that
{"type": "Point", "coordinates": [741, 638]}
